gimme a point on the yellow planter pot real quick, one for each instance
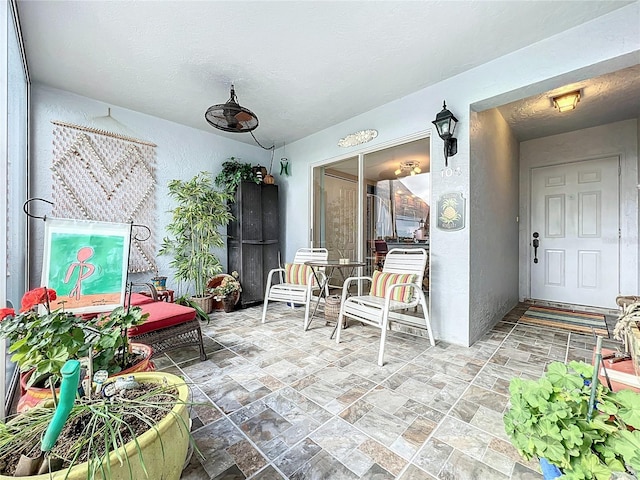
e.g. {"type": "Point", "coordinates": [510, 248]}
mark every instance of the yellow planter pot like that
{"type": "Point", "coordinates": [160, 463]}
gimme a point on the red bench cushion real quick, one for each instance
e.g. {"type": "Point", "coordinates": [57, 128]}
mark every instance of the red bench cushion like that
{"type": "Point", "coordinates": [140, 299]}
{"type": "Point", "coordinates": [162, 315]}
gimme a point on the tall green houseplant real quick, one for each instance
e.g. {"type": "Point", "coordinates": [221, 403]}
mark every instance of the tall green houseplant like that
{"type": "Point", "coordinates": [194, 230]}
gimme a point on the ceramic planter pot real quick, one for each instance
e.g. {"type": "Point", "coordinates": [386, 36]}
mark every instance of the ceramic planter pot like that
{"type": "Point", "coordinates": [32, 396]}
{"type": "Point", "coordinates": [163, 449]}
{"type": "Point", "coordinates": [159, 283]}
{"type": "Point", "coordinates": [229, 303]}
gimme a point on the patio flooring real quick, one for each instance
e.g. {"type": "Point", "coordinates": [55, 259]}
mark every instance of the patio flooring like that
{"type": "Point", "coordinates": [278, 403]}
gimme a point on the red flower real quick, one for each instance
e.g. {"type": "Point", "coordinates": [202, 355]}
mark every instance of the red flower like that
{"type": "Point", "coordinates": [36, 297]}
{"type": "Point", "coordinates": [6, 312]}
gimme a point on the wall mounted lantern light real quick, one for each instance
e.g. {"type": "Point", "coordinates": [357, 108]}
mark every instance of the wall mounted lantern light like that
{"type": "Point", "coordinates": [446, 122]}
{"type": "Point", "coordinates": [566, 101]}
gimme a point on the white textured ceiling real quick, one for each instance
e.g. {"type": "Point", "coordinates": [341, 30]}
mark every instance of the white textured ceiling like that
{"type": "Point", "coordinates": [301, 66]}
{"type": "Point", "coordinates": [605, 99]}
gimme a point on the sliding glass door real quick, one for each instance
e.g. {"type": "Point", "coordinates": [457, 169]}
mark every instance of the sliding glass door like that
{"type": "Point", "coordinates": [366, 204]}
{"type": "Point", "coordinates": [335, 224]}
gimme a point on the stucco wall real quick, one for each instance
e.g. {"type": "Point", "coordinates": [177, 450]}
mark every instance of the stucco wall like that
{"type": "Point", "coordinates": [181, 152]}
{"type": "Point", "coordinates": [615, 139]}
{"type": "Point", "coordinates": [493, 226]}
{"type": "Point", "coordinates": [606, 44]}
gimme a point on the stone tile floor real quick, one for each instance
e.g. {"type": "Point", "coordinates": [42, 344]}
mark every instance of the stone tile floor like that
{"type": "Point", "coordinates": [276, 402]}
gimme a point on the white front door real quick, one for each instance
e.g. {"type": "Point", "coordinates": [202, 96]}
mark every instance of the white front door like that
{"type": "Point", "coordinates": [574, 215]}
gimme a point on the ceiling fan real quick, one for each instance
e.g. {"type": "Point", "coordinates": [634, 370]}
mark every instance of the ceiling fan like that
{"type": "Point", "coordinates": [231, 117]}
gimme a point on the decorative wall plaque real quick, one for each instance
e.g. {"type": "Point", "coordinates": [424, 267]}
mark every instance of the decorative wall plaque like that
{"type": "Point", "coordinates": [451, 211]}
{"type": "Point", "coordinates": [357, 138]}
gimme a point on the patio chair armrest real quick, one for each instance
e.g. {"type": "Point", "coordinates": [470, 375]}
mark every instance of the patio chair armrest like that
{"type": "Point", "coordinates": [320, 276]}
{"type": "Point", "coordinates": [152, 289]}
{"type": "Point", "coordinates": [271, 272]}
{"type": "Point", "coordinates": [349, 280]}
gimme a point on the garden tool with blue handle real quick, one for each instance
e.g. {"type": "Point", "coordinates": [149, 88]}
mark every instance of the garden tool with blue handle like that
{"type": "Point", "coordinates": [68, 389]}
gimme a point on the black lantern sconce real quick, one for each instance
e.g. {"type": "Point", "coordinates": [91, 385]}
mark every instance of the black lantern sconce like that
{"type": "Point", "coordinates": [446, 122]}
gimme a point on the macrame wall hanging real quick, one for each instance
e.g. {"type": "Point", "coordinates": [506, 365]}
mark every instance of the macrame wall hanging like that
{"type": "Point", "coordinates": [98, 175]}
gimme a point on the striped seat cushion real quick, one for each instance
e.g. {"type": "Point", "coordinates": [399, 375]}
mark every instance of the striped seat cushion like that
{"type": "Point", "coordinates": [381, 282]}
{"type": "Point", "coordinates": [298, 273]}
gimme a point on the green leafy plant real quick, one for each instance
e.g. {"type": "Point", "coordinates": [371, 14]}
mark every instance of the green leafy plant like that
{"type": "Point", "coordinates": [233, 172]}
{"type": "Point", "coordinates": [111, 343]}
{"type": "Point", "coordinates": [548, 419]}
{"type": "Point", "coordinates": [194, 230]}
{"type": "Point", "coordinates": [187, 302]}
{"type": "Point", "coordinates": [45, 341]}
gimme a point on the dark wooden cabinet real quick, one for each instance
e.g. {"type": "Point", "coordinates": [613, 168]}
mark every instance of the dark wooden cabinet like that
{"type": "Point", "coordinates": [253, 238]}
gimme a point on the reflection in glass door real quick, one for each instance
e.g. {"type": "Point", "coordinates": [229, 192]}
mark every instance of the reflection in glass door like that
{"type": "Point", "coordinates": [398, 186]}
{"type": "Point", "coordinates": [393, 187]}
{"type": "Point", "coordinates": [335, 222]}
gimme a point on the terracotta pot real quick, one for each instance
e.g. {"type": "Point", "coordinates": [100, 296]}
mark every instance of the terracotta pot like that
{"type": "Point", "coordinates": [33, 396]}
{"type": "Point", "coordinates": [215, 282]}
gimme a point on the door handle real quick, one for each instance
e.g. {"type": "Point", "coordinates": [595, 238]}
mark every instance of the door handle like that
{"type": "Point", "coordinates": [536, 244]}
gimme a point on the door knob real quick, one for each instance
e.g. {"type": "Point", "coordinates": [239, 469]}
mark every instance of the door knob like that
{"type": "Point", "coordinates": [536, 244]}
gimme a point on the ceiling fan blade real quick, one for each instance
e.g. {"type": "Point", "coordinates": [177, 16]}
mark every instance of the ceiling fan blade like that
{"type": "Point", "coordinates": [243, 117]}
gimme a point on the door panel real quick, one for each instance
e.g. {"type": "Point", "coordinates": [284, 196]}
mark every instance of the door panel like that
{"type": "Point", "coordinates": [574, 207]}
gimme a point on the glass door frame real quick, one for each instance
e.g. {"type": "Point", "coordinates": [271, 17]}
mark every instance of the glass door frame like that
{"type": "Point", "coordinates": [361, 188]}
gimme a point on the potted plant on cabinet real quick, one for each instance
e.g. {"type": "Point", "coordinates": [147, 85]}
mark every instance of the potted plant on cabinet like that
{"type": "Point", "coordinates": [228, 291]}
{"type": "Point", "coordinates": [233, 172]}
{"type": "Point", "coordinates": [42, 342]}
{"type": "Point", "coordinates": [194, 231]}
{"type": "Point", "coordinates": [549, 419]}
{"type": "Point", "coordinates": [123, 433]}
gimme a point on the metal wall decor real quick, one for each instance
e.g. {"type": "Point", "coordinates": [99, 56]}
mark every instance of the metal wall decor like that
{"type": "Point", "coordinates": [357, 138]}
{"type": "Point", "coordinates": [451, 211]}
{"type": "Point", "coordinates": [102, 176]}
{"type": "Point", "coordinates": [284, 166]}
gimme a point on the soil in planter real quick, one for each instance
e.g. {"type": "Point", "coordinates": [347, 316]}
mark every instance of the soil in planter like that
{"type": "Point", "coordinates": [133, 425]}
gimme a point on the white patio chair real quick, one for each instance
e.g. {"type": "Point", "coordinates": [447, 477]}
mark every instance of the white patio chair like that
{"type": "Point", "coordinates": [297, 282]}
{"type": "Point", "coordinates": [398, 287]}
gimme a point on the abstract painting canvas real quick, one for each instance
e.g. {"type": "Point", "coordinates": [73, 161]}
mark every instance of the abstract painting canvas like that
{"type": "Point", "coordinates": [85, 262]}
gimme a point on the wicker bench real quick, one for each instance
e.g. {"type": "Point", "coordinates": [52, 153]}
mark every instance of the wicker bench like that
{"type": "Point", "coordinates": [170, 326]}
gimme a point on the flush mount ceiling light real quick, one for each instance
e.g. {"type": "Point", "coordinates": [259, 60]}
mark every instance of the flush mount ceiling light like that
{"type": "Point", "coordinates": [566, 101]}
{"type": "Point", "coordinates": [446, 122]}
{"type": "Point", "coordinates": [409, 167]}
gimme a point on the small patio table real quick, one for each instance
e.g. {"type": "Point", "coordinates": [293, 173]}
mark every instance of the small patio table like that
{"type": "Point", "coordinates": [329, 267]}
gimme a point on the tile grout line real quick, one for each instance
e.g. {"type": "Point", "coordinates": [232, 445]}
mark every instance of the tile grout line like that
{"type": "Point", "coordinates": [263, 454]}
{"type": "Point", "coordinates": [337, 415]}
{"type": "Point", "coordinates": [236, 427]}
{"type": "Point", "coordinates": [447, 414]}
